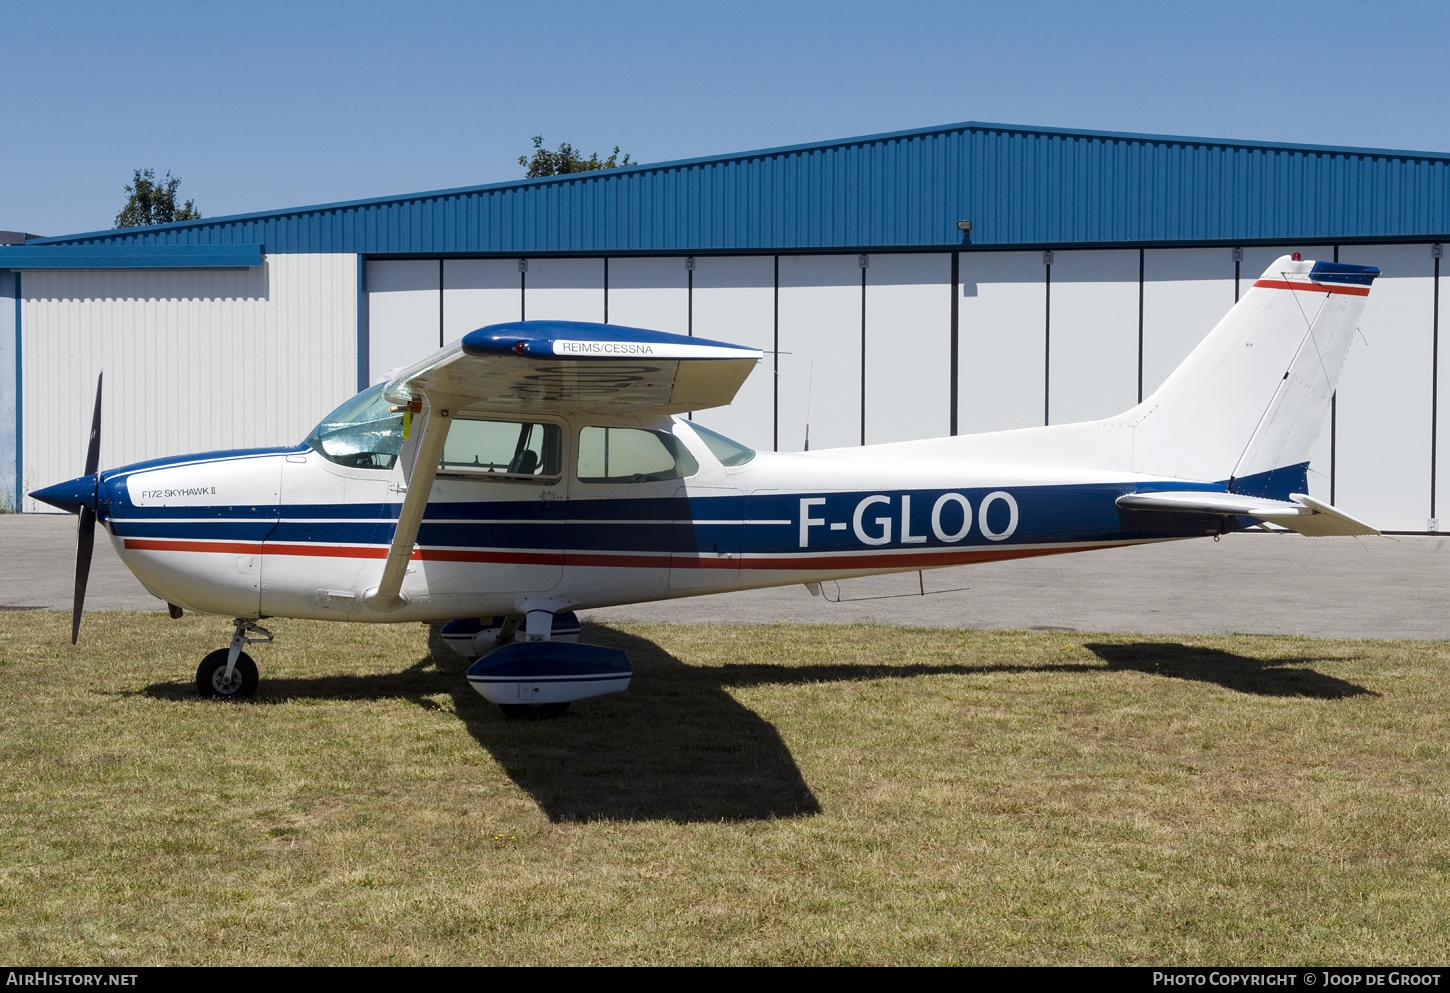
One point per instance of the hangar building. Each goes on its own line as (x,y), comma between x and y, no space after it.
(945,280)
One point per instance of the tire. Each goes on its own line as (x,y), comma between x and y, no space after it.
(531,711)
(243,683)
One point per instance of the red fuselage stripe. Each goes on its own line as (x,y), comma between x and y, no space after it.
(619,560)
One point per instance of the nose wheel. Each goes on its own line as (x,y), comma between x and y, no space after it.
(213,681)
(229,673)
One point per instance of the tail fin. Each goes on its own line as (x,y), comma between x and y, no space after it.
(1249,402)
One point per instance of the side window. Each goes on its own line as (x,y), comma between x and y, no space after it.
(632,455)
(502,448)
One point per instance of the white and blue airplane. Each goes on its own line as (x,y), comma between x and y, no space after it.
(535,468)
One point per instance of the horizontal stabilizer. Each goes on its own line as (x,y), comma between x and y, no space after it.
(1300,513)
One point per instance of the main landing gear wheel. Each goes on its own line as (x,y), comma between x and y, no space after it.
(210,681)
(525,711)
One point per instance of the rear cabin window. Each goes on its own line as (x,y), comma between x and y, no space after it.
(502,449)
(730,452)
(632,455)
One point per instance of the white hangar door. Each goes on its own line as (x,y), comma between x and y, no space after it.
(405,319)
(1002,330)
(820,351)
(564,290)
(648,293)
(733,299)
(1186,291)
(1383,409)
(908,347)
(1092,336)
(1442,435)
(479,292)
(10,495)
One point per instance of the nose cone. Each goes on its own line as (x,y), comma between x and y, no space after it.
(71,495)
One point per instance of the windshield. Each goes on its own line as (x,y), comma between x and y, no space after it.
(363,433)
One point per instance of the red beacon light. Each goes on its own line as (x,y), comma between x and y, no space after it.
(1297,257)
(518,348)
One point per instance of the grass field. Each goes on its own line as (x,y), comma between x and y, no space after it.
(779,794)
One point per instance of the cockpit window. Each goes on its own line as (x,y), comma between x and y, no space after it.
(363,433)
(730,453)
(632,455)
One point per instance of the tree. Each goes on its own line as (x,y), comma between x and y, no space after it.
(566,160)
(154,203)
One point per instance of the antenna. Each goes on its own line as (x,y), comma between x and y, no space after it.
(810,378)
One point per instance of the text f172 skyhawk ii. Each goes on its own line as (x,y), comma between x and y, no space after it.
(535,468)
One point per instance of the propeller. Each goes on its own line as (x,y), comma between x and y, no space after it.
(86,530)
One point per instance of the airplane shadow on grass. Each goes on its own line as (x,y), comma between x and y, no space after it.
(1244,673)
(677,746)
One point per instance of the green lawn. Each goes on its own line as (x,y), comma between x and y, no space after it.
(789,794)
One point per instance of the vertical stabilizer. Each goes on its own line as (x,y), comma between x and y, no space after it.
(1253,396)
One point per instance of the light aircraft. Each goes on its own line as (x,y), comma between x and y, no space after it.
(535,468)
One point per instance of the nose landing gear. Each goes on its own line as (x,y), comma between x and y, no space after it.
(229,673)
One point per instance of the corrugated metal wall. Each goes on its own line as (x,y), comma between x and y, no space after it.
(1018,186)
(9,492)
(195,360)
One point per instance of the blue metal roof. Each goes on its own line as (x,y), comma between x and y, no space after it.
(906,189)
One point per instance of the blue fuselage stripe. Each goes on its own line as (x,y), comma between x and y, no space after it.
(759,524)
(820,522)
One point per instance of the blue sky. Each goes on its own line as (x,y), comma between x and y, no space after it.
(263,105)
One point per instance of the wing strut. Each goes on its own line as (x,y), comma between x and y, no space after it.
(387,595)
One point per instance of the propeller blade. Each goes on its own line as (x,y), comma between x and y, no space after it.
(86,530)
(85,544)
(93,453)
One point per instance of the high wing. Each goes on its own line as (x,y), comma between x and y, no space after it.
(1304,514)
(573,367)
(548,367)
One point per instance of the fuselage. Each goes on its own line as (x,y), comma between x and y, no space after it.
(292,532)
